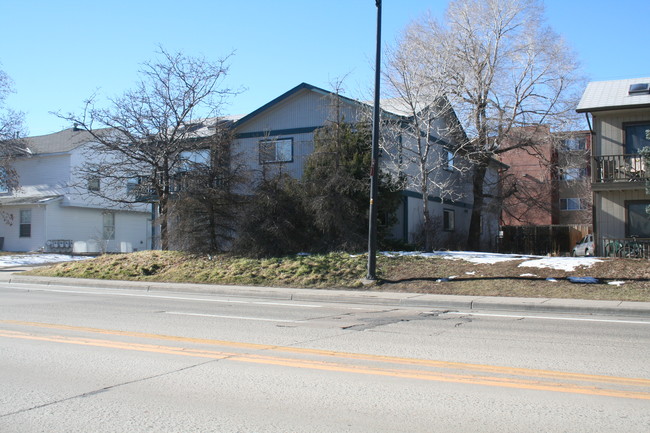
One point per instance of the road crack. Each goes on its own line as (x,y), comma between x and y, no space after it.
(108,388)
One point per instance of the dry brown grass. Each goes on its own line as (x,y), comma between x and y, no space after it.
(424,275)
(398,274)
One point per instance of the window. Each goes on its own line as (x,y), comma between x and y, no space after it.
(572,204)
(25,223)
(93,184)
(132,185)
(637,136)
(4,184)
(638,219)
(639,89)
(575,143)
(448,220)
(276,150)
(195,159)
(449,165)
(574,173)
(109,226)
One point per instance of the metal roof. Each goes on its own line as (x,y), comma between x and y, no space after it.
(607,95)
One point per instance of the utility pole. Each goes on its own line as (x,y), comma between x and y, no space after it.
(374,167)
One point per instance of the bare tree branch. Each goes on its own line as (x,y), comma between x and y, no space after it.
(144,133)
(502,69)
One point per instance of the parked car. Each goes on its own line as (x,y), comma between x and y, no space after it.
(584,247)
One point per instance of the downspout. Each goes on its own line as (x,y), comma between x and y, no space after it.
(591,130)
(44,227)
(594,214)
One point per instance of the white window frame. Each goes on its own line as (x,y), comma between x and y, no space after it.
(25,226)
(571,204)
(276,150)
(108,224)
(575,143)
(132,185)
(571,174)
(193,159)
(4,182)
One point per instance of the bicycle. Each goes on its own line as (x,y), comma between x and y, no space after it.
(613,249)
(631,249)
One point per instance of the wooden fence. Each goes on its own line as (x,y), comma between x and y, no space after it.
(541,240)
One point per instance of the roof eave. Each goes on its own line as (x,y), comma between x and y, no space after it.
(611,108)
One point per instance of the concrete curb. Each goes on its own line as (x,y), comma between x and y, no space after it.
(447,302)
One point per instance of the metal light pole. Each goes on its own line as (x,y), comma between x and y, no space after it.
(374,167)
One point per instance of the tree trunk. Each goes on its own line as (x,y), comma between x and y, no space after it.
(163,214)
(426,216)
(474,234)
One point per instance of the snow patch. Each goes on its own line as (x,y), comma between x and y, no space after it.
(37,259)
(560,263)
(469,256)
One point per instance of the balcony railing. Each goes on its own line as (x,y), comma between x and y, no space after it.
(627,248)
(621,168)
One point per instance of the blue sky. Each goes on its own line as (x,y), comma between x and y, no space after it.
(60,52)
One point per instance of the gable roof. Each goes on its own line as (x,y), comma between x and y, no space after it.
(300,87)
(306,86)
(58,142)
(607,95)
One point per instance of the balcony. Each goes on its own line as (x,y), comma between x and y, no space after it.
(622,172)
(628,168)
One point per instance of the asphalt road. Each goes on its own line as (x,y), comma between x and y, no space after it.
(121,360)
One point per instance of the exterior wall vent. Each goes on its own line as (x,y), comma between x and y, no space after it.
(639,89)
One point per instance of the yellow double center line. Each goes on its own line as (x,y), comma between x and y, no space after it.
(476,374)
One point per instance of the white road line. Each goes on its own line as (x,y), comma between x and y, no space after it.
(574,319)
(180,298)
(218,316)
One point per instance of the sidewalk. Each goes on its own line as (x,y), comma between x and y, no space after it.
(447,302)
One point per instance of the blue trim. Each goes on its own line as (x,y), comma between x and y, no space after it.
(276,132)
(446,201)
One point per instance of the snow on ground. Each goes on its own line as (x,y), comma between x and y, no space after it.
(469,256)
(13,260)
(560,263)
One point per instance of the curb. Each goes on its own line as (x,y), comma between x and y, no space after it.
(452,302)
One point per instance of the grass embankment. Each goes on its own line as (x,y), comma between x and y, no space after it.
(400,274)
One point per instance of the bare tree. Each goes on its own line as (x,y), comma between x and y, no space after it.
(501,68)
(12,131)
(422,143)
(145,135)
